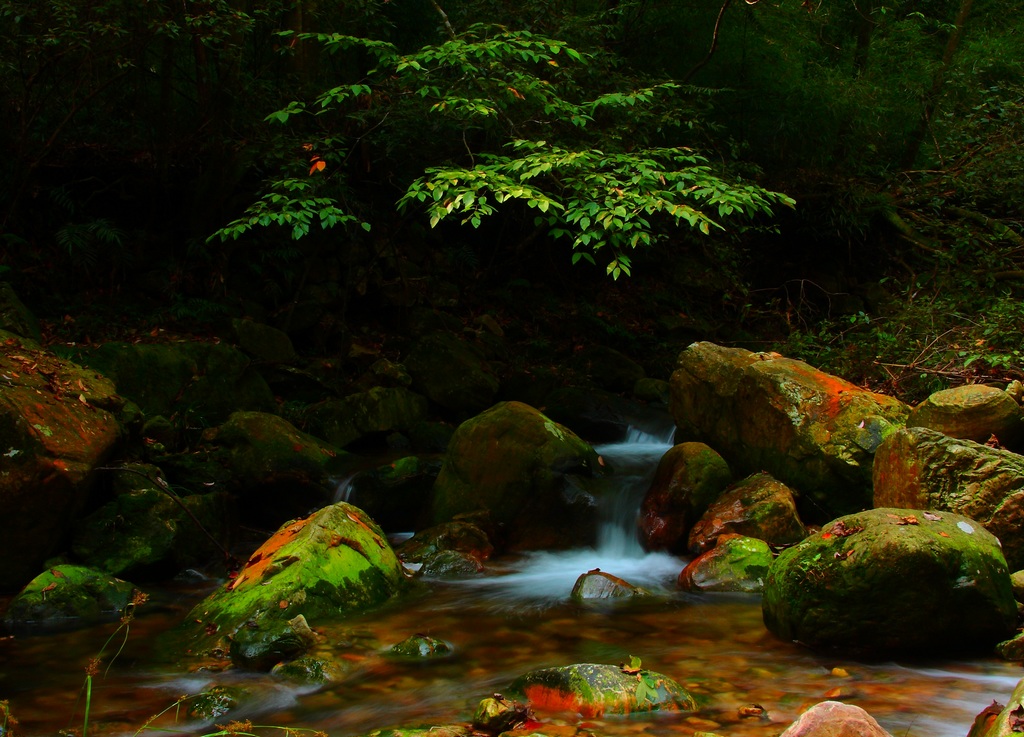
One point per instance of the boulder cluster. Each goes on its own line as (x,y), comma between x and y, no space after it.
(866,525)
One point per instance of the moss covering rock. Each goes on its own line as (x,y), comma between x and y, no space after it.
(599,585)
(593,689)
(379,410)
(762,412)
(690,476)
(758,506)
(972,412)
(68,596)
(148,531)
(893,580)
(524,469)
(326,566)
(924,469)
(736,563)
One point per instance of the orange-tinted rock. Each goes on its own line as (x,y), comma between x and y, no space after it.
(53,435)
(689,477)
(759,506)
(762,412)
(736,563)
(835,719)
(972,412)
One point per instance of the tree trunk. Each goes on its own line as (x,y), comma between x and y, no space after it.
(931,97)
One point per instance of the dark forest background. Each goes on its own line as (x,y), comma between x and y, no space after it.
(839,180)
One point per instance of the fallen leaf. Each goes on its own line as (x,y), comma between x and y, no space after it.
(1016,719)
(632,667)
(932,517)
(839,529)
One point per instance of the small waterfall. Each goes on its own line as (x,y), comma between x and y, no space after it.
(549,576)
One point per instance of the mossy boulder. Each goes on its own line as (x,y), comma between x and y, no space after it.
(690,476)
(452,373)
(736,563)
(148,531)
(893,580)
(374,412)
(762,412)
(526,471)
(594,689)
(323,567)
(68,596)
(972,412)
(919,468)
(758,506)
(197,384)
(56,428)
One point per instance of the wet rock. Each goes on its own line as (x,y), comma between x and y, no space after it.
(593,690)
(263,646)
(149,531)
(736,563)
(893,580)
(918,468)
(197,385)
(835,719)
(597,584)
(447,730)
(689,477)
(450,564)
(972,412)
(333,563)
(1012,649)
(762,412)
(397,494)
(452,373)
(1017,582)
(68,596)
(378,411)
(56,428)
(277,471)
(997,720)
(458,535)
(496,714)
(420,647)
(312,670)
(527,471)
(215,702)
(758,506)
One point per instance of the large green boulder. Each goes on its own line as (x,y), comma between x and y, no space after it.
(55,430)
(68,596)
(320,568)
(762,412)
(594,689)
(197,384)
(919,468)
(689,477)
(893,580)
(148,531)
(524,469)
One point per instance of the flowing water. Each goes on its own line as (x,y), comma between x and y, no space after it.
(515,619)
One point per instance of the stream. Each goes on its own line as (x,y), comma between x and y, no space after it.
(516,618)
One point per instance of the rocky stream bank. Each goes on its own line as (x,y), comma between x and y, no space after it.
(868,527)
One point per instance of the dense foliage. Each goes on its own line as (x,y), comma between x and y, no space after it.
(217,157)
